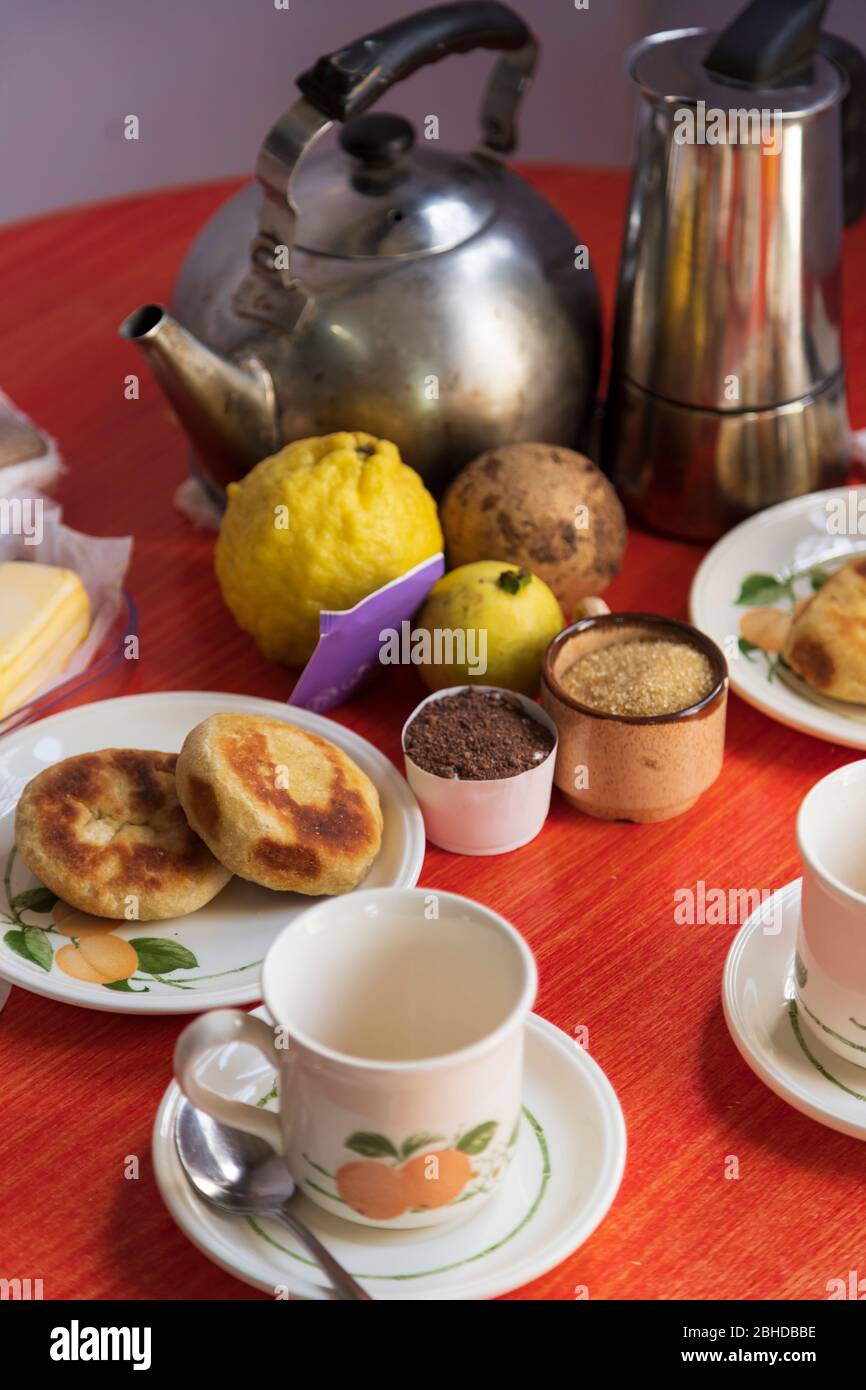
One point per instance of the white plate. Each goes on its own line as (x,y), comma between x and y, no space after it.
(762,1015)
(782,541)
(228,938)
(563,1178)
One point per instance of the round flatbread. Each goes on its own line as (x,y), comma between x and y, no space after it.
(827,641)
(105,832)
(279,806)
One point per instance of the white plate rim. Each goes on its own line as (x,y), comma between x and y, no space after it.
(816,721)
(779,1080)
(169,1177)
(244,993)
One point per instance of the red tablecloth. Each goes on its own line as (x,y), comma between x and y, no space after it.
(595,901)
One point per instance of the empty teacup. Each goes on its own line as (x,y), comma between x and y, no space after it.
(398,1045)
(830,966)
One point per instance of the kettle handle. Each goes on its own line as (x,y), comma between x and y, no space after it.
(345,83)
(342,85)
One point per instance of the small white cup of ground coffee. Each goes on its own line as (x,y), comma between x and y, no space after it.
(480,761)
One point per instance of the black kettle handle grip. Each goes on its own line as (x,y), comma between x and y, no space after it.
(344,84)
(767,39)
(852,64)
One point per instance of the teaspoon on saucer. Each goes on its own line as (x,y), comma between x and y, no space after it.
(243,1175)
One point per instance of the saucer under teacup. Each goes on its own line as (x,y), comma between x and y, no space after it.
(766,1021)
(563,1178)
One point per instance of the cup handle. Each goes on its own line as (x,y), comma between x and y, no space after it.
(210,1030)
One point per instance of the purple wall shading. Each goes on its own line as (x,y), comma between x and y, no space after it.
(208,77)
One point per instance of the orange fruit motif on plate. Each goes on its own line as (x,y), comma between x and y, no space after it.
(70,922)
(374,1190)
(434,1178)
(767,628)
(98,959)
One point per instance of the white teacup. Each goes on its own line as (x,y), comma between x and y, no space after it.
(830,967)
(398,1043)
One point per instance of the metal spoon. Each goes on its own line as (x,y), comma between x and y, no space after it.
(240,1173)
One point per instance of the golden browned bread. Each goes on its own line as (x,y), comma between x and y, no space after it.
(105,832)
(827,641)
(277,805)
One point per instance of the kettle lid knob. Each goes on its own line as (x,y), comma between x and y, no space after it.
(377,139)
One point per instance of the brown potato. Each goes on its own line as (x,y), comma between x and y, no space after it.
(540,506)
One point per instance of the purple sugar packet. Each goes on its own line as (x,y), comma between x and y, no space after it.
(347,652)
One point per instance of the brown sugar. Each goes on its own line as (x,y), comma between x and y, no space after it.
(640,677)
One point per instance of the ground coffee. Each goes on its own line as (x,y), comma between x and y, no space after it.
(476,735)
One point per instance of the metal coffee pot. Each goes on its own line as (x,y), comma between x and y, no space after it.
(433,299)
(727,390)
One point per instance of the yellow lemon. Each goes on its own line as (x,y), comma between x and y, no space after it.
(489,623)
(319,525)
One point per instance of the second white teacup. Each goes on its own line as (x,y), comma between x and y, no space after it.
(830,965)
(398,1044)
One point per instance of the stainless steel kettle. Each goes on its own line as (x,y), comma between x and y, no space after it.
(429,298)
(727,390)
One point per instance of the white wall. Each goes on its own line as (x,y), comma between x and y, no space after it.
(208,77)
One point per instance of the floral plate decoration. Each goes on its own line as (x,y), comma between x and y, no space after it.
(771,606)
(751,585)
(91,948)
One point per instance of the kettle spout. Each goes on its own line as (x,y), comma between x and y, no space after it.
(228,411)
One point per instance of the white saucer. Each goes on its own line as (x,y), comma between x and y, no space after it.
(766,1025)
(563,1178)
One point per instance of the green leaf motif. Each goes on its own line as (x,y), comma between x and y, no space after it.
(124,987)
(32,944)
(34,900)
(817,578)
(269,1095)
(159,957)
(800,971)
(418,1141)
(514,1133)
(476,1141)
(371,1145)
(758,589)
(747,647)
(39,946)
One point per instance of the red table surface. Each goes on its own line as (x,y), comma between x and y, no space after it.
(595,901)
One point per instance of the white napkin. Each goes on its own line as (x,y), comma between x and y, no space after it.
(193,499)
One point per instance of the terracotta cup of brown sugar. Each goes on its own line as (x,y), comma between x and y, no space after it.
(639,702)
